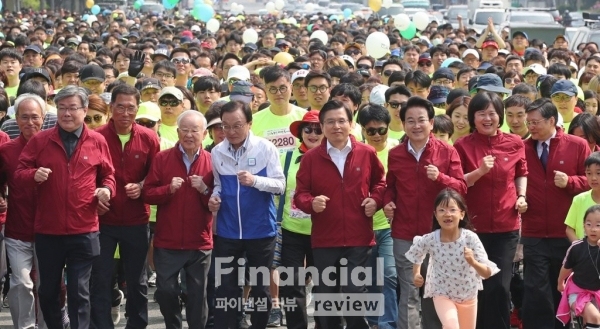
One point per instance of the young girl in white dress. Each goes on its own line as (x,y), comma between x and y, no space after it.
(457,262)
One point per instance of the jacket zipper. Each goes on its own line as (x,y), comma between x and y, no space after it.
(237,197)
(493,183)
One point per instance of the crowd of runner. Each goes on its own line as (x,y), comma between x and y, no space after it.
(147,151)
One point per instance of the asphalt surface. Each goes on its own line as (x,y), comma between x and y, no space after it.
(155,320)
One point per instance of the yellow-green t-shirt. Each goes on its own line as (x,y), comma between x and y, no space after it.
(11,91)
(293,219)
(380,222)
(168,132)
(124,139)
(438,111)
(397,135)
(276,128)
(581,203)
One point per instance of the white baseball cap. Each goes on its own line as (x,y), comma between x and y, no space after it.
(471,52)
(300,74)
(348,59)
(238,72)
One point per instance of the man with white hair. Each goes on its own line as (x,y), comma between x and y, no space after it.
(18,230)
(180,183)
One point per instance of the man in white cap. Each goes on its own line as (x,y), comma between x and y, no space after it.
(170,102)
(471,57)
(532,72)
(236,73)
(299,91)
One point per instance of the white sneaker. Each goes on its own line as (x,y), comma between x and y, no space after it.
(116,311)
(309,296)
(152,280)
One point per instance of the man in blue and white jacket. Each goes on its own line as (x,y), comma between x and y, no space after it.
(247,175)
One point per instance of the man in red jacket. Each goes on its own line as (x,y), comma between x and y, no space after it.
(73,171)
(341,185)
(125,220)
(180,183)
(29,114)
(556,174)
(418,169)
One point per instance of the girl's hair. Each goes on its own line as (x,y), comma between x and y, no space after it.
(589,124)
(592,209)
(594,158)
(443,198)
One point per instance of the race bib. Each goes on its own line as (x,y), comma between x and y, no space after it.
(294,211)
(282,139)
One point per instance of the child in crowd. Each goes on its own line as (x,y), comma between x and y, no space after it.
(581,291)
(458,262)
(583,201)
(443,127)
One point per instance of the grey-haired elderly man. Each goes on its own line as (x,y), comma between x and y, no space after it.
(71,168)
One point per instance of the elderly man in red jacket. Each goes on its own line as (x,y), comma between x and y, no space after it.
(180,183)
(556,174)
(72,168)
(341,185)
(418,169)
(125,220)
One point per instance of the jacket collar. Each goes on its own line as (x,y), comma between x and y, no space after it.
(55,135)
(323,147)
(493,140)
(112,129)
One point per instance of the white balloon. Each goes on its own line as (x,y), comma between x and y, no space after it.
(233,7)
(377,44)
(91,19)
(270,6)
(310,7)
(240,8)
(279,4)
(321,35)
(250,35)
(401,21)
(421,20)
(213,25)
(292,21)
(386,3)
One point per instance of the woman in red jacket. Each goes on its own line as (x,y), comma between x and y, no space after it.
(495,171)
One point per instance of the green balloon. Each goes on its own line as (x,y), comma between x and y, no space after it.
(173,2)
(410,31)
(196,13)
(137,5)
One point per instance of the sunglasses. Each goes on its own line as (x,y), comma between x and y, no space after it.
(171,103)
(310,130)
(305,66)
(380,131)
(147,124)
(180,60)
(428,64)
(387,73)
(394,105)
(352,52)
(97,118)
(248,50)
(512,80)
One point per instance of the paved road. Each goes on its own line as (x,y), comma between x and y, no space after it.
(155,319)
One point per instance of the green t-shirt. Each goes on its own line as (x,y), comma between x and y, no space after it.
(293,219)
(276,128)
(124,139)
(397,135)
(379,220)
(164,145)
(581,203)
(168,132)
(11,91)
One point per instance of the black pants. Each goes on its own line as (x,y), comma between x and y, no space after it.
(168,263)
(542,260)
(133,249)
(493,304)
(327,258)
(77,252)
(295,248)
(259,255)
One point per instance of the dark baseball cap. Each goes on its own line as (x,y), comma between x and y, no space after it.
(33,47)
(521,33)
(442,73)
(150,83)
(241,92)
(438,94)
(32,72)
(491,82)
(564,87)
(92,72)
(161,52)
(425,57)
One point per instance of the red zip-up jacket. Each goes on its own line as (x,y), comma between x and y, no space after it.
(131,166)
(66,202)
(412,192)
(183,221)
(548,204)
(343,223)
(21,197)
(491,200)
(4,138)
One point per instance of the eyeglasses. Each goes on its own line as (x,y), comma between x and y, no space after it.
(321,88)
(363,67)
(423,64)
(309,130)
(161,75)
(235,128)
(534,122)
(180,60)
(442,82)
(394,105)
(298,86)
(561,98)
(380,131)
(171,103)
(332,122)
(70,110)
(232,81)
(122,109)
(316,59)
(147,124)
(26,118)
(387,73)
(511,81)
(352,52)
(97,118)
(281,89)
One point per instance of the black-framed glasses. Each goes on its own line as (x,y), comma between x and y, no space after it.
(281,89)
(423,64)
(310,129)
(96,118)
(171,103)
(147,124)
(380,131)
(321,88)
